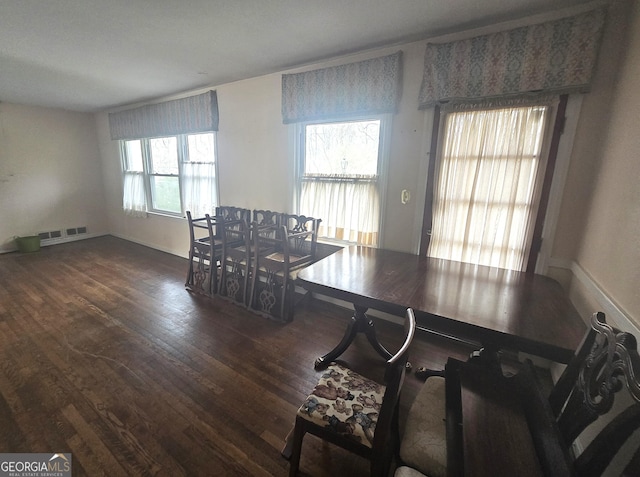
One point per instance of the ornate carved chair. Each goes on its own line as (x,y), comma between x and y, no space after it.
(297,224)
(354,412)
(605,364)
(204,254)
(227,212)
(235,261)
(267,217)
(279,253)
(590,394)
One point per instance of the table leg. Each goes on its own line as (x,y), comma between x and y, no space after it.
(360,323)
(370,332)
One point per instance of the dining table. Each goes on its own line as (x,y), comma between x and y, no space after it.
(497,308)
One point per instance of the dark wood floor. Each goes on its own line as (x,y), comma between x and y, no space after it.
(104,354)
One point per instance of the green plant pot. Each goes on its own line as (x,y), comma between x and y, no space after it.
(28,244)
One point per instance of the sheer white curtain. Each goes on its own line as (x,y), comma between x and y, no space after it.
(349,207)
(199,187)
(486,185)
(134,199)
(199,194)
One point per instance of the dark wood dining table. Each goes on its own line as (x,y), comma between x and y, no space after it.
(497,308)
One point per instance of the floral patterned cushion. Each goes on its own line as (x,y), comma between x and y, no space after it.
(424,443)
(345,402)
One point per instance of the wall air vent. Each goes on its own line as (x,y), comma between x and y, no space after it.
(76,231)
(59,236)
(48,237)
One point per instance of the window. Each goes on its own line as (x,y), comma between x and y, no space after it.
(339,170)
(170,175)
(490,169)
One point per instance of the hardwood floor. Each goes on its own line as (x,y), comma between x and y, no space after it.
(104,354)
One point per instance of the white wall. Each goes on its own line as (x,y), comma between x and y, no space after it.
(608,249)
(49,173)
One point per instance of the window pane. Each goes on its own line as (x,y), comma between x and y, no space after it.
(165,193)
(164,155)
(201,148)
(134,156)
(347,148)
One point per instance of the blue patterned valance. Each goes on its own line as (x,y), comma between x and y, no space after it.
(186,115)
(558,56)
(365,87)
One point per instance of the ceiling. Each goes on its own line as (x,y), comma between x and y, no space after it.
(91,55)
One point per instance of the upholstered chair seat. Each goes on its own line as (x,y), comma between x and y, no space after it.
(404,471)
(346,403)
(424,443)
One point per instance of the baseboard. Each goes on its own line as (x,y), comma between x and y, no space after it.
(56,241)
(614,313)
(152,245)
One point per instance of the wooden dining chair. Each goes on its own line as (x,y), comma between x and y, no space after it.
(235,260)
(204,255)
(355,412)
(603,399)
(605,364)
(278,254)
(424,441)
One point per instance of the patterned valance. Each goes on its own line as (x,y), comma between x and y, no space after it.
(558,56)
(186,115)
(365,87)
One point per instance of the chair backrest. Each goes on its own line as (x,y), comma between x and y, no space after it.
(201,229)
(226,212)
(211,227)
(393,379)
(292,248)
(606,363)
(193,224)
(564,386)
(235,233)
(267,217)
(303,234)
(266,238)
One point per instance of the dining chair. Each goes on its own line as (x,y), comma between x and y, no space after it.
(423,446)
(278,254)
(204,255)
(355,412)
(235,260)
(603,400)
(605,363)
